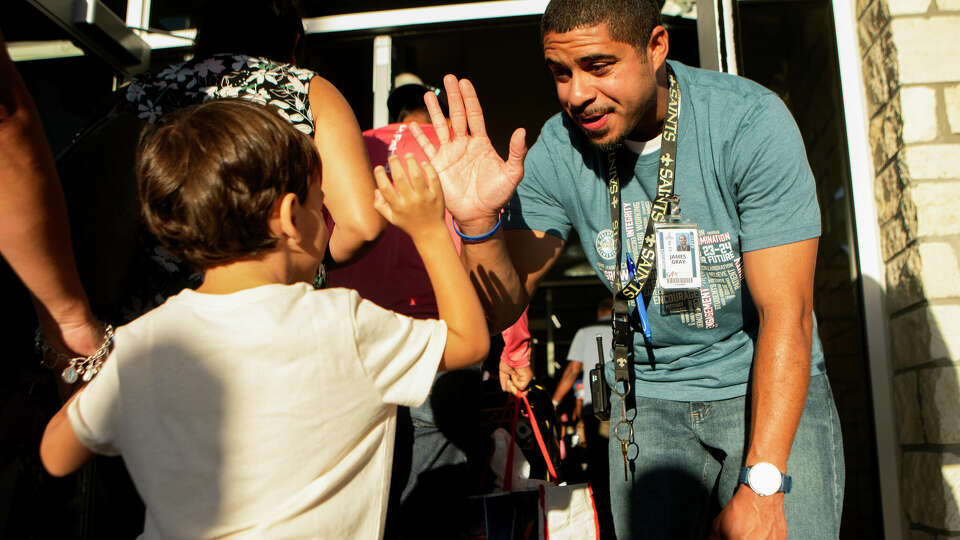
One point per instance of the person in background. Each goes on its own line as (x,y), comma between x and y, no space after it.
(255,405)
(582,357)
(439,444)
(592,432)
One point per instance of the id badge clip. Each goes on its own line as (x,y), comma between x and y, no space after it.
(678,251)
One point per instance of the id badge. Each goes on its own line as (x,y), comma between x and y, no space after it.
(678,256)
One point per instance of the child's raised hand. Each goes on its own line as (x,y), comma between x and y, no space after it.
(414,201)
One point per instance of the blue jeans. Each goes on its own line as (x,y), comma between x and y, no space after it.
(686,458)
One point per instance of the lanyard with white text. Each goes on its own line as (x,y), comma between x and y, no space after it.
(622,334)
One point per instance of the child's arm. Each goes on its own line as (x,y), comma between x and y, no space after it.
(415,205)
(60,450)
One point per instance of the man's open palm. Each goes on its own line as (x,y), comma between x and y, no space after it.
(476,182)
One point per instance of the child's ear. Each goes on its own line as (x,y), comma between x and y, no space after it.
(283,220)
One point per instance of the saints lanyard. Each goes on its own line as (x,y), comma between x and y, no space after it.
(622,334)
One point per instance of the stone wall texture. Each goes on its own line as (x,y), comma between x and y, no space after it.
(911,72)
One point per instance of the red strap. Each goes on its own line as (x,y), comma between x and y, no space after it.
(596,516)
(540,443)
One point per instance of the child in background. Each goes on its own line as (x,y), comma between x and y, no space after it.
(256,406)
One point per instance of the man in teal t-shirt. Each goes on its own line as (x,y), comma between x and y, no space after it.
(728,405)
(741,175)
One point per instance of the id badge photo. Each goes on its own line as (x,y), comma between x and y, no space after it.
(678,256)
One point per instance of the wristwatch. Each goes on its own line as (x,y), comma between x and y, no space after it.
(765,479)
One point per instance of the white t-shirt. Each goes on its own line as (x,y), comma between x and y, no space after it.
(583,349)
(644,147)
(267,413)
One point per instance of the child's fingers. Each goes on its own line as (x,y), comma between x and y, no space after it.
(433,180)
(400,181)
(417,181)
(384,187)
(380,205)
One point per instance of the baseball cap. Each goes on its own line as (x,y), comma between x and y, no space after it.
(407,95)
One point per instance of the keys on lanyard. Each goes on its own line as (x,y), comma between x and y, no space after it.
(623,431)
(625,449)
(622,342)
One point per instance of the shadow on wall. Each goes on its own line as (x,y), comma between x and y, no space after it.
(926,400)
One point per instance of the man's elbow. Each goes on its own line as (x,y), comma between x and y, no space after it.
(798,315)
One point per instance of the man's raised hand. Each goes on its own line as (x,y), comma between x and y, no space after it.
(476,182)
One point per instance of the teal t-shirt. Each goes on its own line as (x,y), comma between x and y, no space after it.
(742,176)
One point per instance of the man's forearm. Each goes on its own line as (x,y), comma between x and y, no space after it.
(496,280)
(781,376)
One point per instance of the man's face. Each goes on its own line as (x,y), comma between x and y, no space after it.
(607,87)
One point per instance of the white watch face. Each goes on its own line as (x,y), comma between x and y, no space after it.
(764,478)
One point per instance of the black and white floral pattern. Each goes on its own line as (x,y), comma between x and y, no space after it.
(157,274)
(282,86)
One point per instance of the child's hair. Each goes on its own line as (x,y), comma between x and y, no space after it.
(210,177)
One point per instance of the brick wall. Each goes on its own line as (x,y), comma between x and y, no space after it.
(911,64)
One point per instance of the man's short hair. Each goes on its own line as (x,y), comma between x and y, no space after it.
(628,21)
(270,29)
(210,176)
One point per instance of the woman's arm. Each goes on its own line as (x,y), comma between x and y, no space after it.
(347,176)
(34,235)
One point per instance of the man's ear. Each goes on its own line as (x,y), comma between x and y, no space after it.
(283,219)
(658,47)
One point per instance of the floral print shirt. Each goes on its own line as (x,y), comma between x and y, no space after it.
(220,76)
(158,275)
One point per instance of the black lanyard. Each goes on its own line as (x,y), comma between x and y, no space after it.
(622,334)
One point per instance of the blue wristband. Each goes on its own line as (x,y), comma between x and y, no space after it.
(482,237)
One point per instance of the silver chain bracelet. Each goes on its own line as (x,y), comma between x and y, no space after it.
(79,367)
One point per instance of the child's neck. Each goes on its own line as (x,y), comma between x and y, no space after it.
(268,269)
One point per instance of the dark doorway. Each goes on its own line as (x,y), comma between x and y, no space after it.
(790,47)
